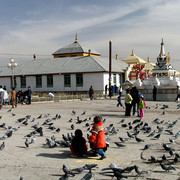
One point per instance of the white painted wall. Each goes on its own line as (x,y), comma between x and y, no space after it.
(97,80)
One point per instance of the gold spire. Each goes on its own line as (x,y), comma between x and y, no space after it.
(89,52)
(116,56)
(148,59)
(132,52)
(162,51)
(76,39)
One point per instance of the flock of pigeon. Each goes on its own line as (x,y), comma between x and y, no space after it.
(168,158)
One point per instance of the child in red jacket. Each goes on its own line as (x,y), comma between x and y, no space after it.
(97,139)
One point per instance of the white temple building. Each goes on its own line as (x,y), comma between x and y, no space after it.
(163,78)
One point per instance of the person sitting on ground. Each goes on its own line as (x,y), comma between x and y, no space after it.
(78,146)
(97,139)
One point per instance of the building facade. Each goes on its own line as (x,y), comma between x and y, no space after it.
(74,68)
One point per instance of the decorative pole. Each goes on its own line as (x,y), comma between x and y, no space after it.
(12,65)
(110,59)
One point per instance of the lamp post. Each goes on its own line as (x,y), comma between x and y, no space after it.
(12,65)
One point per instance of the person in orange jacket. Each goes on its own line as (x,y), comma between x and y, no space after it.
(97,139)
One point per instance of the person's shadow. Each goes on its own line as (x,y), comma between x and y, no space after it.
(63,155)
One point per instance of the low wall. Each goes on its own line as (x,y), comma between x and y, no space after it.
(163,94)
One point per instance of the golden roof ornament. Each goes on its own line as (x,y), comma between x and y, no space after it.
(148,59)
(132,52)
(76,38)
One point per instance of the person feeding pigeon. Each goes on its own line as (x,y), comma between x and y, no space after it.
(78,146)
(97,139)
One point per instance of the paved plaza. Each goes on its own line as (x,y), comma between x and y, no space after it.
(39,162)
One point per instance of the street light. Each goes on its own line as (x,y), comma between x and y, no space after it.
(12,65)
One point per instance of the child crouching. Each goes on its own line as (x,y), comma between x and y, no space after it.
(97,138)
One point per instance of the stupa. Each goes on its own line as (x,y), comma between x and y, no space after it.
(163,78)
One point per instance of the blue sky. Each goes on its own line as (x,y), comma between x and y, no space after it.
(44,26)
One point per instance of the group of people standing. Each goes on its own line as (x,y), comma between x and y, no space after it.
(15,97)
(134,100)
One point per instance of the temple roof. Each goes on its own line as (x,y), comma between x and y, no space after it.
(75,48)
(78,64)
(133,59)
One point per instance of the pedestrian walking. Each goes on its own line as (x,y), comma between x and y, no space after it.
(119,101)
(91,93)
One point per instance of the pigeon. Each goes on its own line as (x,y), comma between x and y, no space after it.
(16,128)
(73,112)
(83,113)
(147,146)
(2,146)
(58,130)
(171,152)
(27,143)
(39,117)
(87,176)
(157,136)
(122,121)
(136,121)
(128,169)
(90,166)
(118,173)
(79,170)
(70,120)
(139,171)
(160,129)
(130,135)
(13,114)
(33,139)
(138,139)
(167,167)
(9,110)
(177,134)
(28,116)
(123,139)
(152,134)
(64,177)
(35,126)
(72,126)
(124,125)
(166,147)
(164,158)
(67,170)
(119,144)
(169,131)
(153,159)
(171,140)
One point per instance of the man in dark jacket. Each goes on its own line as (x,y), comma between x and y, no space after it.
(135,101)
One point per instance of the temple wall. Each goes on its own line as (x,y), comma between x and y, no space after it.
(163,93)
